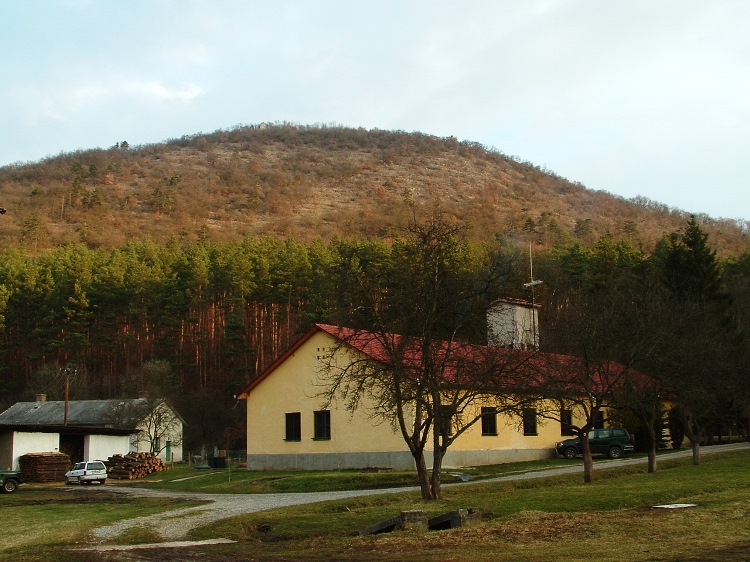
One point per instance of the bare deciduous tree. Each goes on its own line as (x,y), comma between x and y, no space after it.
(418,372)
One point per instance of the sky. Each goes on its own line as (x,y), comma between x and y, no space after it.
(643,98)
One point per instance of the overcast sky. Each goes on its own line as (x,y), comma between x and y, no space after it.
(636,97)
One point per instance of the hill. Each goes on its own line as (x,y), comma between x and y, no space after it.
(316,181)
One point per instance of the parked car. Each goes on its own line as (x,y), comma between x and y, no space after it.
(87,472)
(11,480)
(613,442)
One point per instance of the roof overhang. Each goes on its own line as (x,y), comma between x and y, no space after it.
(71,430)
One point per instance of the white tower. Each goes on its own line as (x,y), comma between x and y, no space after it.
(513,323)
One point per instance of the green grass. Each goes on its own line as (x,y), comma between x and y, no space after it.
(40,517)
(242,481)
(543,519)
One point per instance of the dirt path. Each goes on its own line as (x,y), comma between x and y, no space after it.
(174,525)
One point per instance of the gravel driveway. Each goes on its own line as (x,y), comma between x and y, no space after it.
(174,525)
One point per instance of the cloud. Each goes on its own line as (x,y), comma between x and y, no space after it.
(161,92)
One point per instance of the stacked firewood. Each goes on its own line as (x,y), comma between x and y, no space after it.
(133,465)
(44,467)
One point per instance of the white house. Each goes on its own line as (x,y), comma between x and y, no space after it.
(90,429)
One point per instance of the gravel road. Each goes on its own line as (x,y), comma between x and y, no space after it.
(174,525)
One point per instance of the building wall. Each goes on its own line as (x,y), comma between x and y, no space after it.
(33,443)
(357,440)
(295,387)
(101,447)
(510,444)
(513,325)
(169,429)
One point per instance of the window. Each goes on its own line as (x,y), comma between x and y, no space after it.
(293,426)
(489,421)
(599,420)
(529,421)
(566,422)
(445,420)
(322,424)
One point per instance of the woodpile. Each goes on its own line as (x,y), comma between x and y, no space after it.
(44,467)
(133,465)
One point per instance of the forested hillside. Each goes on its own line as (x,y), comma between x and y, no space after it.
(184,268)
(312,182)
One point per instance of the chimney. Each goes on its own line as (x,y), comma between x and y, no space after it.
(41,397)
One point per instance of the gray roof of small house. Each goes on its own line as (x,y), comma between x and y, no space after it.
(122,414)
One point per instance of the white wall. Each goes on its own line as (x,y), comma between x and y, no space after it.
(33,443)
(167,427)
(101,447)
(512,325)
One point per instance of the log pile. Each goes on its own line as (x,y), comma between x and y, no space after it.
(133,465)
(44,467)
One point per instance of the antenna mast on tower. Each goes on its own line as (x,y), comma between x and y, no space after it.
(531,284)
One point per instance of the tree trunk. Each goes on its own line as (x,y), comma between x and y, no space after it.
(651,448)
(693,433)
(422,474)
(695,445)
(588,461)
(436,478)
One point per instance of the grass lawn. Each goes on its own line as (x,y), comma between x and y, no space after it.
(235,480)
(611,519)
(43,518)
(555,518)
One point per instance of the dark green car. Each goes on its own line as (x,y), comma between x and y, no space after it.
(613,442)
(11,480)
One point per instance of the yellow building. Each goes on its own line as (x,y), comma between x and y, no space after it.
(289,427)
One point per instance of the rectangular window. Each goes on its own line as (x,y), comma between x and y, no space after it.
(322,424)
(599,420)
(566,422)
(293,426)
(529,421)
(445,420)
(489,421)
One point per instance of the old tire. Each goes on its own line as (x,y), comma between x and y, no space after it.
(570,453)
(10,486)
(614,452)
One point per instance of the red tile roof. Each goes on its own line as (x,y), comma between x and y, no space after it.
(455,360)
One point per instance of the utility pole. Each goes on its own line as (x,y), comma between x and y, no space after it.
(67,371)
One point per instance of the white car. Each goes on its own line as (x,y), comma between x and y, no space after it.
(87,472)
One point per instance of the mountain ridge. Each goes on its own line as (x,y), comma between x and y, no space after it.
(316,181)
